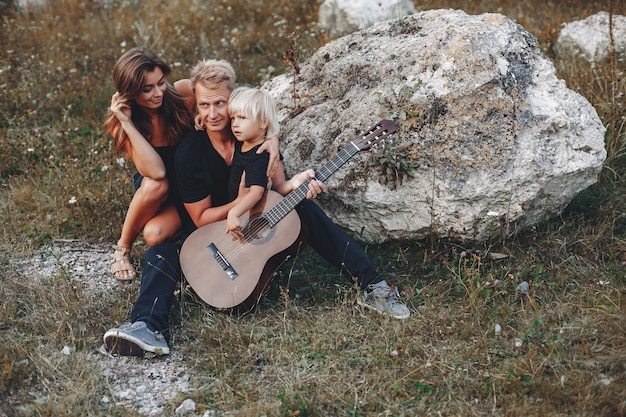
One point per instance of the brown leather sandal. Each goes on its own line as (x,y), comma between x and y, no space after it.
(122,264)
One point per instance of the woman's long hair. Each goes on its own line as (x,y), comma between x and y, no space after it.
(129,77)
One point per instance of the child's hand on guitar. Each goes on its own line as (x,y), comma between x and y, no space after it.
(233,224)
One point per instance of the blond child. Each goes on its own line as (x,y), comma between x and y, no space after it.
(253,117)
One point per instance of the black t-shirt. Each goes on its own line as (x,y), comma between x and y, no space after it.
(200,172)
(255,167)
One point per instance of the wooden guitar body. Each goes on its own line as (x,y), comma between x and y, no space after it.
(230,270)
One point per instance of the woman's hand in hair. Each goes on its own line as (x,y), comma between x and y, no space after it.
(120,107)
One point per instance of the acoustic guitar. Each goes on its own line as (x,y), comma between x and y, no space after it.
(233,270)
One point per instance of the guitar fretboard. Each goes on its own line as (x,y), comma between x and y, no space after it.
(291,200)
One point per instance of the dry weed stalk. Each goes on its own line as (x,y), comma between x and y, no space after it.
(291,58)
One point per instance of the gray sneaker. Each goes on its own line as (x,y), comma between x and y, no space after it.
(382,298)
(135,339)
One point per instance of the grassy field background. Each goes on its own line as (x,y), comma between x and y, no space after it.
(562,350)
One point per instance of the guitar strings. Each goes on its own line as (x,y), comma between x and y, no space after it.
(269,219)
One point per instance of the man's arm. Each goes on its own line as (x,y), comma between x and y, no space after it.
(184,89)
(272,147)
(202,212)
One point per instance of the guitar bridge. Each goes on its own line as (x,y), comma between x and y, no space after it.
(223,263)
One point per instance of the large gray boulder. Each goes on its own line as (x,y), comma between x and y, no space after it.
(589,38)
(494,141)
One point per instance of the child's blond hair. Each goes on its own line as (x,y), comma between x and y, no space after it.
(257,105)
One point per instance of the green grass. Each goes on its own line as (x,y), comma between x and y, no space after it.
(306,350)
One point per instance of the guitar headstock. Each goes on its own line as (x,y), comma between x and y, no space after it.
(375,134)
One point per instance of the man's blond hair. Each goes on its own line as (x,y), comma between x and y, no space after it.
(212,73)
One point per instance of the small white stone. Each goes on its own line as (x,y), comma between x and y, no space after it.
(187,406)
(123,395)
(604,380)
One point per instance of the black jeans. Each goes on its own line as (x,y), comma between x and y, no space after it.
(160,275)
(161,266)
(335,246)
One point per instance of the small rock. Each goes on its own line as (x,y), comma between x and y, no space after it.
(523,287)
(187,406)
(123,395)
(604,380)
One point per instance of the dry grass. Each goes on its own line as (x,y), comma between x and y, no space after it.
(307,349)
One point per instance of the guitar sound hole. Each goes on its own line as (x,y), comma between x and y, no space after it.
(258,230)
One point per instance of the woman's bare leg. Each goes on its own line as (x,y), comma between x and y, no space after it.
(144,206)
(162,227)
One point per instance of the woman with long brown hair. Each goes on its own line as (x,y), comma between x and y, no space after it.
(146,119)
